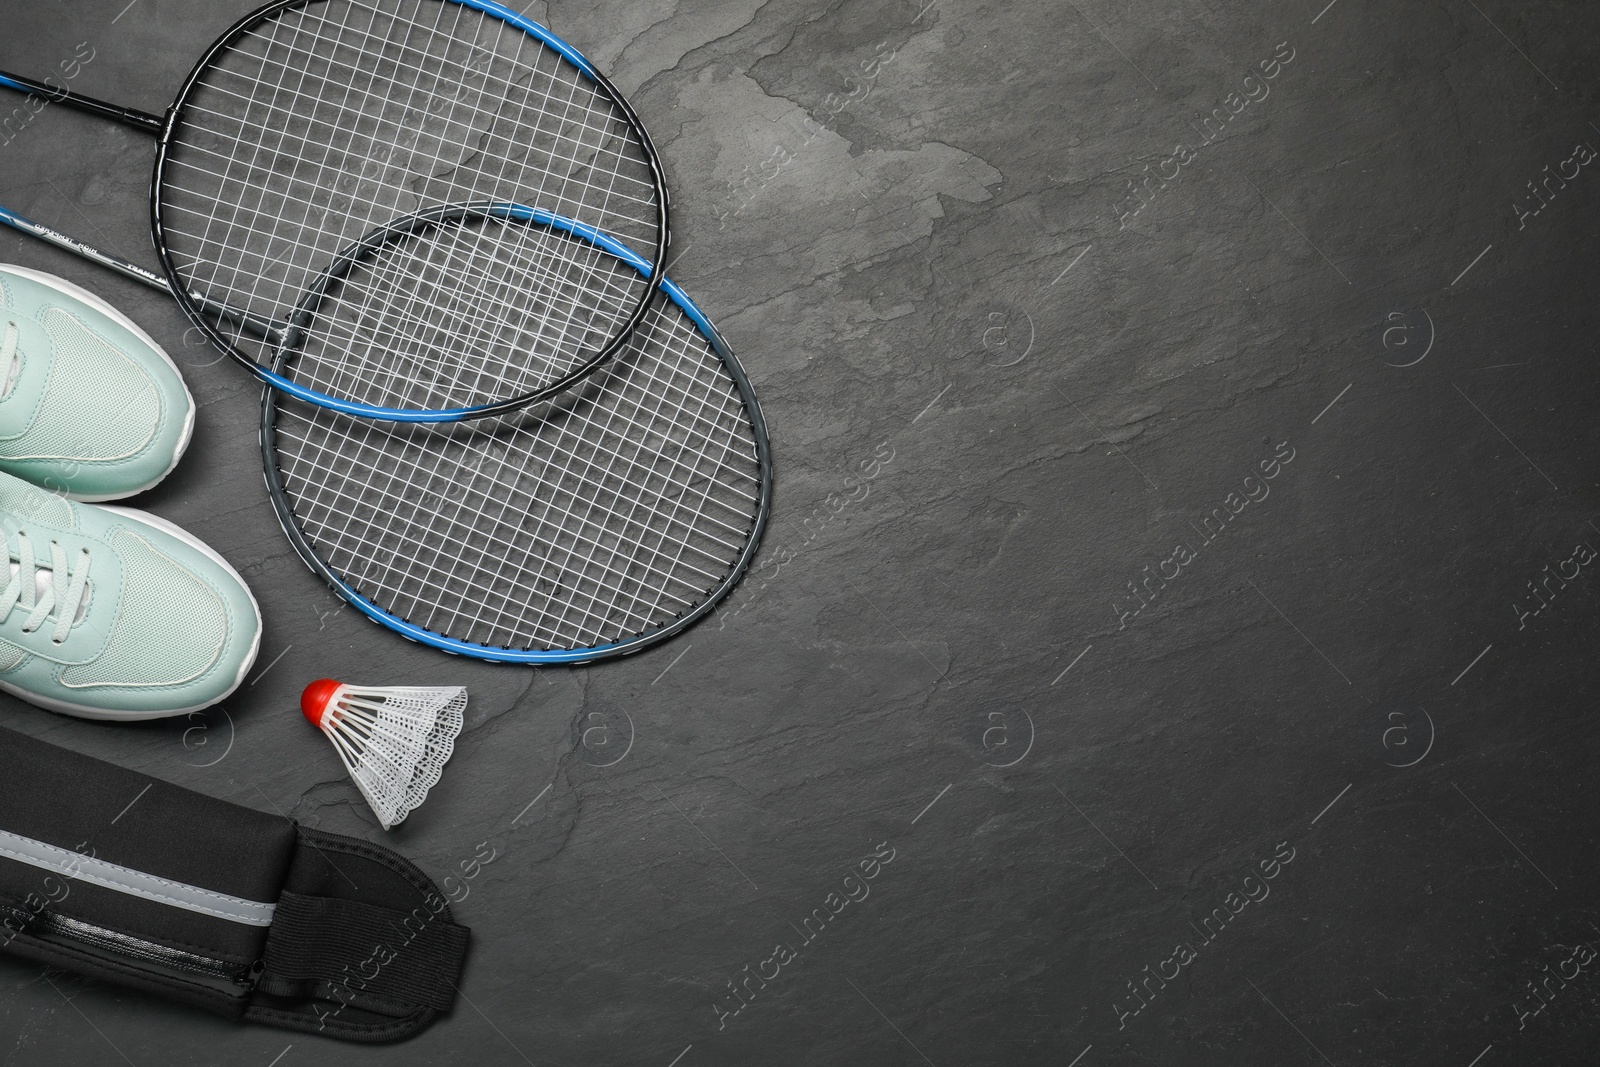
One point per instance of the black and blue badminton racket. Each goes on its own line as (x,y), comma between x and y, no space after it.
(316,135)
(596,525)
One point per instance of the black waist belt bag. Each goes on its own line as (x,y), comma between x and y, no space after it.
(110,873)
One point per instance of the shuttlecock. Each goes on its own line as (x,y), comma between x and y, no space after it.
(394,740)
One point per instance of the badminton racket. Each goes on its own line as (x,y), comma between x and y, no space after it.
(610,519)
(312,128)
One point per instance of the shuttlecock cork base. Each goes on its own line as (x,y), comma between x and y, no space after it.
(394,740)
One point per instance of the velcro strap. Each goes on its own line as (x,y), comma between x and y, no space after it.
(350,952)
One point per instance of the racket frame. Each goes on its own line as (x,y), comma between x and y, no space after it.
(284,509)
(195,306)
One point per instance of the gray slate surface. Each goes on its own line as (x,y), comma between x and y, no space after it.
(944,264)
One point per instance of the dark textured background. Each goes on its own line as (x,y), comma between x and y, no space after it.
(933,267)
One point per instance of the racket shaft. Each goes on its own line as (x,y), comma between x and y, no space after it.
(78,248)
(263,329)
(139,120)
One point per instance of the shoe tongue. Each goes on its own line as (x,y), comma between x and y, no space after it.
(25,375)
(13,367)
(21,505)
(32,341)
(44,579)
(11,373)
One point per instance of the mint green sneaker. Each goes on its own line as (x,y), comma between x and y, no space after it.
(113,613)
(90,406)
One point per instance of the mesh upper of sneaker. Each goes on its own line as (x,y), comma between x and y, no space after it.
(35,505)
(161,598)
(99,405)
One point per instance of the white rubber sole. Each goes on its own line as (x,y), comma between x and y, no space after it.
(66,288)
(102,714)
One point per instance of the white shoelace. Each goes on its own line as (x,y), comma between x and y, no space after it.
(24,588)
(9,358)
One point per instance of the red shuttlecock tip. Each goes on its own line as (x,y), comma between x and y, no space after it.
(317,698)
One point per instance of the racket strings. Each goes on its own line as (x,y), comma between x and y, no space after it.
(611,132)
(646,554)
(643,502)
(494,581)
(262,163)
(593,523)
(611,127)
(660,551)
(568,516)
(387,322)
(469,322)
(555,293)
(609,144)
(245,275)
(323,124)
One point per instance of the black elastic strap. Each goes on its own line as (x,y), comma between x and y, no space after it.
(350,952)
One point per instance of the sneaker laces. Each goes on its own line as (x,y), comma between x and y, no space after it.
(24,587)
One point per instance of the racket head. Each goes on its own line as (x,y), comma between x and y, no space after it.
(596,525)
(312,125)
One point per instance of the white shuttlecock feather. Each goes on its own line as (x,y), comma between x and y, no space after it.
(394,740)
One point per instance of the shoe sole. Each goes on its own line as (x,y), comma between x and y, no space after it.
(103,715)
(66,288)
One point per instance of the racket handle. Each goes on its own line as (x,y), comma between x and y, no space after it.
(139,120)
